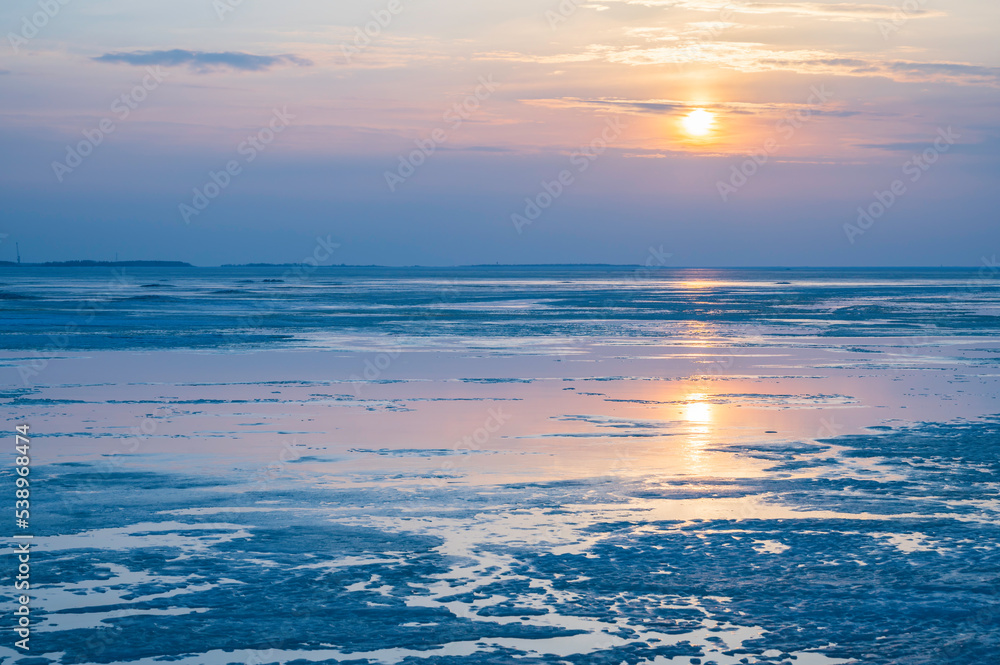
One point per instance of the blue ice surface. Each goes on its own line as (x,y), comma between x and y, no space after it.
(887,565)
(217,308)
(201,564)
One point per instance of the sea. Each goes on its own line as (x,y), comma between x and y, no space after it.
(494,464)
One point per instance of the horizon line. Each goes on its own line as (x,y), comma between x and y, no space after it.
(158,263)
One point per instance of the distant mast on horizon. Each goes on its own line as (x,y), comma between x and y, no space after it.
(17,246)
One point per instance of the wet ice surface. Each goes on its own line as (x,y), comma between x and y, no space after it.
(542,467)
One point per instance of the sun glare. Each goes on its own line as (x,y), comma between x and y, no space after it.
(697,412)
(696,409)
(698,123)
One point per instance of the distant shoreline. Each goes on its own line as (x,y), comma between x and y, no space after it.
(98,264)
(184,264)
(481,266)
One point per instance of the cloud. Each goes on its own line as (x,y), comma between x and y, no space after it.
(838,11)
(593,53)
(948,69)
(751,57)
(989,147)
(486,148)
(202,61)
(844,11)
(667,106)
(4,71)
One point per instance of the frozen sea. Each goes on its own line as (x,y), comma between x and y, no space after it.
(565,465)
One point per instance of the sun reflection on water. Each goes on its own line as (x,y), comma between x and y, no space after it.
(696,410)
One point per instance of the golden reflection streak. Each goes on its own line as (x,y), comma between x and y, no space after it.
(697,284)
(697,412)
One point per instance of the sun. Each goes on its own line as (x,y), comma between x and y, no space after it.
(698,123)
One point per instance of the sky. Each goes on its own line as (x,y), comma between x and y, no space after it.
(440,132)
